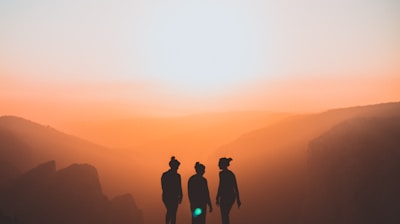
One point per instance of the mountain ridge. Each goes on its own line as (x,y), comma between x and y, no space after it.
(44,195)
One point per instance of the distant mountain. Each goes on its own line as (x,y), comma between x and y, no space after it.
(125,211)
(25,144)
(355,174)
(291,136)
(210,131)
(8,172)
(200,132)
(271,163)
(70,195)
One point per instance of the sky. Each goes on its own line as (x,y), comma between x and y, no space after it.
(166,57)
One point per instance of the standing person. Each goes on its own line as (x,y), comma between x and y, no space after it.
(171,190)
(199,195)
(227,189)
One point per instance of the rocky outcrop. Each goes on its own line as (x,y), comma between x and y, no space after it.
(72,195)
(13,150)
(8,172)
(125,211)
(355,173)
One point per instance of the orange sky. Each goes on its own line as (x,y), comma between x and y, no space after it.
(76,60)
(64,63)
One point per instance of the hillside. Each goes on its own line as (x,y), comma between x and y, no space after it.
(74,194)
(295,131)
(271,163)
(24,144)
(199,132)
(355,173)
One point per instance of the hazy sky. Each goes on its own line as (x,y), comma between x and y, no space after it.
(185,56)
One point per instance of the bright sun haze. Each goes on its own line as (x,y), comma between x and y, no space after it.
(200,47)
(119,58)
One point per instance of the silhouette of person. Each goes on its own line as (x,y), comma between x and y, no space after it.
(171,190)
(227,189)
(199,195)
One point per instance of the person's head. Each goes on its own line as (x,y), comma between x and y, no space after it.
(200,168)
(174,164)
(224,162)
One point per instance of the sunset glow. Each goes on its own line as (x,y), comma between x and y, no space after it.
(179,57)
(121,86)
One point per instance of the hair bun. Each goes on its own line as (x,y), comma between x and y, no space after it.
(174,162)
(199,166)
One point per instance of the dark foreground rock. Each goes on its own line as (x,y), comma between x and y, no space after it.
(72,195)
(355,174)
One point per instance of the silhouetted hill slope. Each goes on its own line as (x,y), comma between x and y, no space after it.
(8,172)
(14,151)
(125,211)
(298,130)
(67,196)
(210,131)
(121,132)
(355,173)
(25,144)
(271,163)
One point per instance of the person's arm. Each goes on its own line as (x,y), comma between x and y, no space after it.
(162,183)
(235,187)
(190,189)
(180,190)
(219,191)
(208,197)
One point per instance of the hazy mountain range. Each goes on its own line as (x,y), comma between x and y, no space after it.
(274,160)
(44,195)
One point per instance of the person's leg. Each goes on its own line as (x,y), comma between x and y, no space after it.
(202,217)
(167,217)
(224,214)
(167,214)
(225,210)
(174,209)
(196,218)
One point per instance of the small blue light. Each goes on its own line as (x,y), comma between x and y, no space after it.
(197,212)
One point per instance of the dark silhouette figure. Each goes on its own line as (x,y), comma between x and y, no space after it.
(199,195)
(227,190)
(172,190)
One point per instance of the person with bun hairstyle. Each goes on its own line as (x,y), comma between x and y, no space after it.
(227,190)
(199,195)
(171,190)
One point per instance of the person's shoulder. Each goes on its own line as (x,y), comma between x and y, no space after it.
(229,172)
(192,178)
(166,173)
(225,172)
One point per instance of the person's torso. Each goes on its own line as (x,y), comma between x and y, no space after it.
(172,183)
(227,182)
(198,189)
